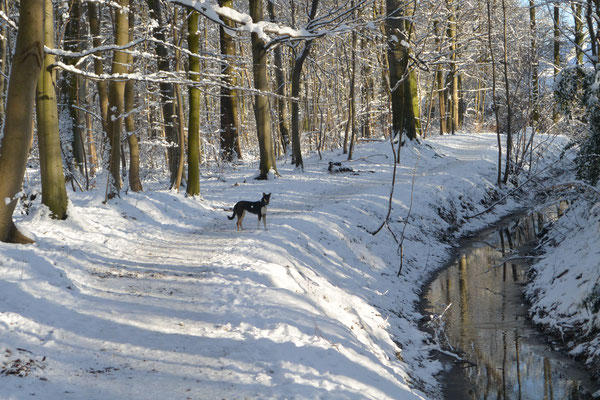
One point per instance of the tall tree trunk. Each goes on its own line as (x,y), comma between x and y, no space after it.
(579,36)
(69,90)
(592,32)
(398,31)
(177,177)
(494,97)
(54,193)
(352,95)
(555,114)
(296,75)
(282,108)
(507,167)
(193,181)
(452,32)
(94,20)
(535,82)
(18,129)
(91,145)
(230,132)
(167,93)
(262,111)
(116,97)
(135,184)
(3,61)
(440,85)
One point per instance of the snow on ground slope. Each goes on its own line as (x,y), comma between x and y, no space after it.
(565,289)
(157,296)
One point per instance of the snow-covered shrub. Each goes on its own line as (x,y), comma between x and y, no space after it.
(577,92)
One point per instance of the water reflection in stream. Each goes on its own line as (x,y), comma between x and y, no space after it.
(487,320)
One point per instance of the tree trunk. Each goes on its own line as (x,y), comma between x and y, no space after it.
(166,88)
(116,97)
(18,129)
(494,97)
(398,31)
(91,145)
(193,181)
(3,62)
(441,87)
(262,110)
(507,167)
(578,27)
(54,193)
(535,82)
(296,75)
(352,96)
(282,108)
(555,114)
(94,20)
(135,184)
(70,89)
(230,132)
(454,110)
(589,16)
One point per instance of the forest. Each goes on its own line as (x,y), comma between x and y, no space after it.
(137,88)
(130,128)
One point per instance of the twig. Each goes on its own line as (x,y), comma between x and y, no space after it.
(389,211)
(412,192)
(510,193)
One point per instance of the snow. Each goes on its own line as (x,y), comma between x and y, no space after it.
(565,280)
(263,29)
(156,295)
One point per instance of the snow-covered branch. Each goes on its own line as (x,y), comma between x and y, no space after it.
(9,21)
(271,32)
(263,29)
(162,77)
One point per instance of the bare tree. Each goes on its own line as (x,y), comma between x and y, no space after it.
(296,73)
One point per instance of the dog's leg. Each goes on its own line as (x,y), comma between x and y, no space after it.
(265,221)
(239,221)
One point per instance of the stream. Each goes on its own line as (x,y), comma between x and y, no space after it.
(479,314)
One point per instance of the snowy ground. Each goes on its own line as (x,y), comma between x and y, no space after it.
(565,290)
(157,296)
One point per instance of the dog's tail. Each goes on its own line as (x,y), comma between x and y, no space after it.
(232,217)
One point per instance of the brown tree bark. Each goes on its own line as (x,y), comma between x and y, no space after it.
(282,104)
(116,97)
(262,111)
(54,193)
(230,140)
(193,180)
(167,93)
(18,129)
(94,20)
(296,74)
(398,31)
(135,183)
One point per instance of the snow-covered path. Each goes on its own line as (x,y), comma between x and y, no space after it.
(157,296)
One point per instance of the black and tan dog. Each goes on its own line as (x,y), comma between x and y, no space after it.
(254,207)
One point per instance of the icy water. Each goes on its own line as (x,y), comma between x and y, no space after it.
(484,319)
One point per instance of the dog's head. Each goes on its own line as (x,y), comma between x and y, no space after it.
(266,197)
